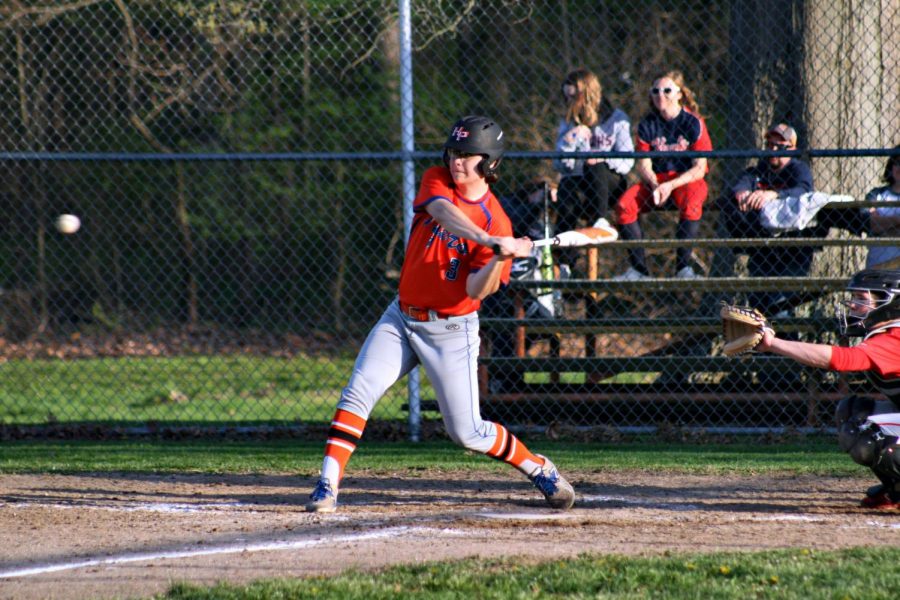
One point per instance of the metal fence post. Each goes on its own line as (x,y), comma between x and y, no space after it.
(409,184)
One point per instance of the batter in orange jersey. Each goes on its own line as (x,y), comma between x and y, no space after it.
(438,262)
(450,266)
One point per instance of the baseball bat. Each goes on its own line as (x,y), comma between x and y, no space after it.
(577,238)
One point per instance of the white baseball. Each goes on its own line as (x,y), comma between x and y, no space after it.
(68,223)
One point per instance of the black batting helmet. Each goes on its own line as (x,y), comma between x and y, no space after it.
(885,289)
(477,135)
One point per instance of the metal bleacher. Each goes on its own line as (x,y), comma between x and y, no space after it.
(682,383)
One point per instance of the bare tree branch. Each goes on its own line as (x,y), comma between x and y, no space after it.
(451,26)
(41,15)
(132,54)
(20,68)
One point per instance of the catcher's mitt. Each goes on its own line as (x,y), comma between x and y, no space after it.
(742,328)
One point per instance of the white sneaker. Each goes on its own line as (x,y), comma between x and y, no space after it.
(607,231)
(323,498)
(631,274)
(687,273)
(556,490)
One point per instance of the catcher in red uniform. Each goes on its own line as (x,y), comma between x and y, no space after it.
(867,429)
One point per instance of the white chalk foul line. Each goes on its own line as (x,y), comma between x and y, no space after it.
(800,518)
(165,507)
(525,516)
(638,502)
(883,525)
(224,549)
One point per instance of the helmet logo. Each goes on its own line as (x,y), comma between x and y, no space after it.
(459,133)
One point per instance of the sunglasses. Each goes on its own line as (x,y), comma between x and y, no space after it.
(778,145)
(667,91)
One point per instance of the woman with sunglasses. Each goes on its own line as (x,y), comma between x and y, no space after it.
(590,123)
(674,123)
(885,220)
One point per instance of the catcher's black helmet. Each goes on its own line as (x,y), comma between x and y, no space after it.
(885,289)
(477,135)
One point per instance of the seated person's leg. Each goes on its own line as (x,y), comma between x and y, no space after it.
(689,199)
(599,184)
(794,262)
(617,188)
(791,261)
(569,209)
(737,223)
(568,203)
(763,262)
(854,221)
(633,202)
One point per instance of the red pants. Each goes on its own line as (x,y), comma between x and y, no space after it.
(638,199)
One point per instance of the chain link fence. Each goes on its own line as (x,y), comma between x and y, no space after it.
(237,170)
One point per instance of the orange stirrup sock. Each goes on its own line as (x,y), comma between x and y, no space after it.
(343,437)
(509,449)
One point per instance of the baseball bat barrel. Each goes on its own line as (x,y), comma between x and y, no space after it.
(577,238)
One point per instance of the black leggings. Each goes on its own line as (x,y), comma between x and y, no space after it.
(588,196)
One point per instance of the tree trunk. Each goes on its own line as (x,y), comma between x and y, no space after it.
(763,80)
(763,88)
(851,80)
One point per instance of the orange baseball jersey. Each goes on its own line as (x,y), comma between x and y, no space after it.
(437,263)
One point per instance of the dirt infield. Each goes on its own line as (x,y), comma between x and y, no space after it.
(105,536)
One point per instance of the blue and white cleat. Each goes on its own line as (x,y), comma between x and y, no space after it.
(323,498)
(557,491)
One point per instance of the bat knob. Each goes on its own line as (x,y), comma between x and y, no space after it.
(497,249)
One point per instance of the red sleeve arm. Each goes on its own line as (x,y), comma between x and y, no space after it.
(849,359)
(880,353)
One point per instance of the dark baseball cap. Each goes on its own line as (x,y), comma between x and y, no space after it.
(783,131)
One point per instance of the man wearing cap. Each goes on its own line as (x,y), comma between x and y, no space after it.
(771,178)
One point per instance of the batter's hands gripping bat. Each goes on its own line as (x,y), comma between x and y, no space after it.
(600,233)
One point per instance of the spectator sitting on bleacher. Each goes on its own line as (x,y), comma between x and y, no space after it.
(771,178)
(588,187)
(885,220)
(673,124)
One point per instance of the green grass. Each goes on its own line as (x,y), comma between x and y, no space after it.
(809,456)
(181,389)
(567,377)
(868,573)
